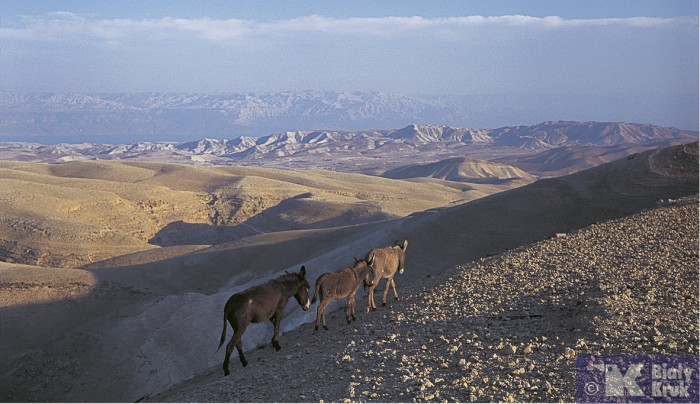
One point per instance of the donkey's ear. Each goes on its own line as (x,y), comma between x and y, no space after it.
(303,271)
(370,260)
(405,244)
(356,260)
(286,272)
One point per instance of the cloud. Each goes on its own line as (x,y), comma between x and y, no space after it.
(59,26)
(465,54)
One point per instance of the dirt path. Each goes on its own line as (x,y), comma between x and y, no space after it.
(504,328)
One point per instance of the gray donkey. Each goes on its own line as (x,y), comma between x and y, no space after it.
(339,284)
(386,262)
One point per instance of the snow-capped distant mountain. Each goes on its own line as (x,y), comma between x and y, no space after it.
(137,117)
(185,116)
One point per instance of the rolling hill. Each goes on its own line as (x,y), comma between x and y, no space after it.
(462,169)
(75,213)
(570,159)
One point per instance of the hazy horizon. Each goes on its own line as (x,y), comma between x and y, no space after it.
(627,61)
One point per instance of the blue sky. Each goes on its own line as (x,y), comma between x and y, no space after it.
(279,10)
(637,48)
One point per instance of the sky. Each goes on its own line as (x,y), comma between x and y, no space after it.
(636,48)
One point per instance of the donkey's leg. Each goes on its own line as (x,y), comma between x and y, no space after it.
(318,317)
(348,307)
(386,289)
(353,302)
(393,287)
(229,350)
(239,347)
(235,341)
(322,309)
(370,304)
(276,321)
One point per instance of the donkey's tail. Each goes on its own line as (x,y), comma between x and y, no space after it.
(223,333)
(316,293)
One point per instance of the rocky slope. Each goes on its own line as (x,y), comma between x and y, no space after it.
(504,328)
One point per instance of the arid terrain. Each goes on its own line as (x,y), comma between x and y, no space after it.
(504,328)
(114,274)
(78,213)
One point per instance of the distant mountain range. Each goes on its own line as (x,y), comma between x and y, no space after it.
(185,116)
(373,151)
(133,117)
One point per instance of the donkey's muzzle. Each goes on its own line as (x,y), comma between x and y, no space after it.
(307,305)
(401,271)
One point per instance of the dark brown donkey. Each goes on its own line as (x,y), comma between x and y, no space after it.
(262,303)
(339,284)
(387,261)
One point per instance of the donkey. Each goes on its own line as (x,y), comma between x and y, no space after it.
(339,284)
(262,303)
(387,261)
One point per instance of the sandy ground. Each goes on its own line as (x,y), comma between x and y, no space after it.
(137,326)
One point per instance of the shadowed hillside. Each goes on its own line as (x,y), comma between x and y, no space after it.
(506,328)
(570,159)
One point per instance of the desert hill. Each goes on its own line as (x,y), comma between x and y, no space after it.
(75,213)
(141,325)
(462,169)
(570,159)
(560,133)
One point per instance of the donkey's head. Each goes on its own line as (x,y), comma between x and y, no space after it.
(302,293)
(402,253)
(366,271)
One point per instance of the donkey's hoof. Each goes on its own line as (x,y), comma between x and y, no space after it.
(315,328)
(244,364)
(325,327)
(226,372)
(383,304)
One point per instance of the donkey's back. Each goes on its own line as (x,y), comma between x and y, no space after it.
(336,284)
(343,283)
(387,261)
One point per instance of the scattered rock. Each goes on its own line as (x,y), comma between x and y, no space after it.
(511,317)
